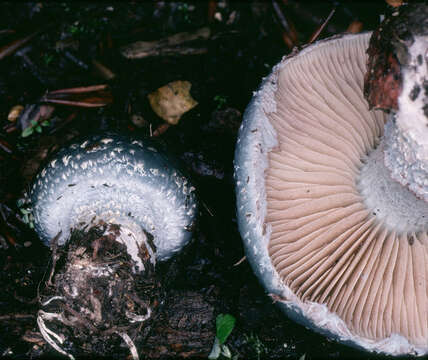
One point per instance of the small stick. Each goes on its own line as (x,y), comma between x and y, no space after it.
(103,70)
(16,316)
(317,33)
(88,96)
(161,129)
(289,35)
(78,90)
(75,60)
(15,45)
(4,145)
(207,208)
(240,261)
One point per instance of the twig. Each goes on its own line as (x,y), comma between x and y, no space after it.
(289,34)
(240,261)
(171,45)
(88,96)
(317,32)
(308,15)
(103,70)
(161,129)
(22,53)
(7,31)
(64,123)
(15,45)
(16,316)
(75,60)
(33,337)
(207,208)
(5,146)
(10,128)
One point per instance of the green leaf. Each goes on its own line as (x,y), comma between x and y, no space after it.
(303,357)
(33,122)
(38,128)
(215,351)
(24,211)
(224,325)
(27,132)
(45,123)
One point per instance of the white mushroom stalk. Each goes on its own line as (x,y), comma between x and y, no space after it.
(327,227)
(398,70)
(406,152)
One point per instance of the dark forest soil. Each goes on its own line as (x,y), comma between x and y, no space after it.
(247,39)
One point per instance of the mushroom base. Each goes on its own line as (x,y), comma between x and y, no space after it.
(98,299)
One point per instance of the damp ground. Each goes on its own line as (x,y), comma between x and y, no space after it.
(68,45)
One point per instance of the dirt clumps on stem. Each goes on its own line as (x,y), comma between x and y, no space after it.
(97,300)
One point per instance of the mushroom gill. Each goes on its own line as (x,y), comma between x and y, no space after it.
(341,234)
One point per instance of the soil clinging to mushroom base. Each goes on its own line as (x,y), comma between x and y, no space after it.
(96,301)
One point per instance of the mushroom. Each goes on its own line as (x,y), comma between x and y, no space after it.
(332,196)
(131,204)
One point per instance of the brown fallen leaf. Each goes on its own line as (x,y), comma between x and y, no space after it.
(103,71)
(171,101)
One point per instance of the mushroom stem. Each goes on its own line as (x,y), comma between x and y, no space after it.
(406,153)
(392,204)
(397,81)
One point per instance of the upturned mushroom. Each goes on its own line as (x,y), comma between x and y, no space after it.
(111,207)
(332,196)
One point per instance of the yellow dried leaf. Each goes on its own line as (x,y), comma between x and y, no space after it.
(15,112)
(171,101)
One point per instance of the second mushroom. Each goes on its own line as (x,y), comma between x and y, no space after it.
(332,196)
